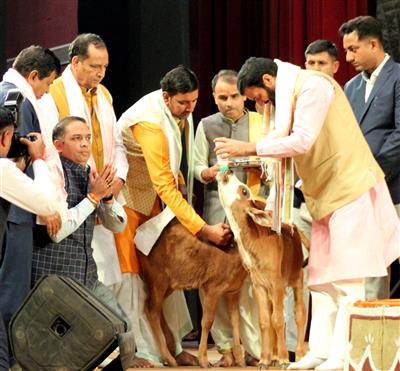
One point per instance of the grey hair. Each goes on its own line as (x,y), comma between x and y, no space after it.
(59,129)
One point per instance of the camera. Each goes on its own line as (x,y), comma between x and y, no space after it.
(13,102)
(17,148)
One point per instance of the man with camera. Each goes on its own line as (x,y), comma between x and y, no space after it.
(18,189)
(33,70)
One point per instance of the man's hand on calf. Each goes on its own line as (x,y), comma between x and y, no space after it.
(220,234)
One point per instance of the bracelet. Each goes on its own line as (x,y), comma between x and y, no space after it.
(37,157)
(108,198)
(93,199)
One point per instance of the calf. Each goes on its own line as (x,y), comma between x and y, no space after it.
(179,260)
(274,262)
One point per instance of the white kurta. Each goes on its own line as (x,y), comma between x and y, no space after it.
(358,240)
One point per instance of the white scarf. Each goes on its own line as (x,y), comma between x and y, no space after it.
(104,112)
(284,88)
(152,108)
(282,192)
(51,156)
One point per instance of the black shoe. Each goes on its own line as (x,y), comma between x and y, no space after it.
(292,356)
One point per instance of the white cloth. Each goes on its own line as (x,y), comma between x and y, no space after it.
(105,255)
(370,80)
(366,231)
(51,155)
(104,112)
(330,307)
(152,108)
(113,218)
(131,294)
(284,87)
(35,196)
(313,103)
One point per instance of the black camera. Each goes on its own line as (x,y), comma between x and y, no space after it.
(17,148)
(13,102)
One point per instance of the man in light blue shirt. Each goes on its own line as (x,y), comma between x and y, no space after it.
(68,252)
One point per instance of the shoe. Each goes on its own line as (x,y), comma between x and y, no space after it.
(292,356)
(331,364)
(306,363)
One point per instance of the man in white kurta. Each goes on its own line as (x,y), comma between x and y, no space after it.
(355,232)
(36,196)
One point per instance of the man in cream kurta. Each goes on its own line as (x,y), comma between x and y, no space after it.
(156,191)
(232,121)
(354,219)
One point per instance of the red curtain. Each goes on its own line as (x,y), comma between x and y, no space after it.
(224,33)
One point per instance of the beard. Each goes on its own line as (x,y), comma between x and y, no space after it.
(271,95)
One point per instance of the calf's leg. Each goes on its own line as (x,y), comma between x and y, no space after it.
(300,317)
(233,307)
(264,319)
(154,303)
(169,337)
(210,302)
(278,321)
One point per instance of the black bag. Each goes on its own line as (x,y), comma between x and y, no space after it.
(61,326)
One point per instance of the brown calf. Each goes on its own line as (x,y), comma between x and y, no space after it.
(179,260)
(274,262)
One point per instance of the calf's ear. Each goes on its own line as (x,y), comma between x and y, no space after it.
(258,204)
(260,217)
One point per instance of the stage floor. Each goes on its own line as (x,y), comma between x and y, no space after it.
(213,357)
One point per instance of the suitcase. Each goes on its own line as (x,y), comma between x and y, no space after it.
(61,326)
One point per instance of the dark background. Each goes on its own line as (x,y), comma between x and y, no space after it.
(146,38)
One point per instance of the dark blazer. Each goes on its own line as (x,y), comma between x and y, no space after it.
(379,119)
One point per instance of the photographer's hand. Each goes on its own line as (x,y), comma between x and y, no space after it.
(35,148)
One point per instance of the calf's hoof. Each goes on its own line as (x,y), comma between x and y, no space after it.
(186,359)
(263,366)
(205,364)
(241,364)
(172,363)
(225,361)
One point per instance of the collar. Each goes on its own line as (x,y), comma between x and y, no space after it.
(374,75)
(74,166)
(238,121)
(85,91)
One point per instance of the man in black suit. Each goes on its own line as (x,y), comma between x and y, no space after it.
(374,95)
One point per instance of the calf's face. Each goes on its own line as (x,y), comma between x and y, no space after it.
(242,211)
(231,189)
(236,197)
